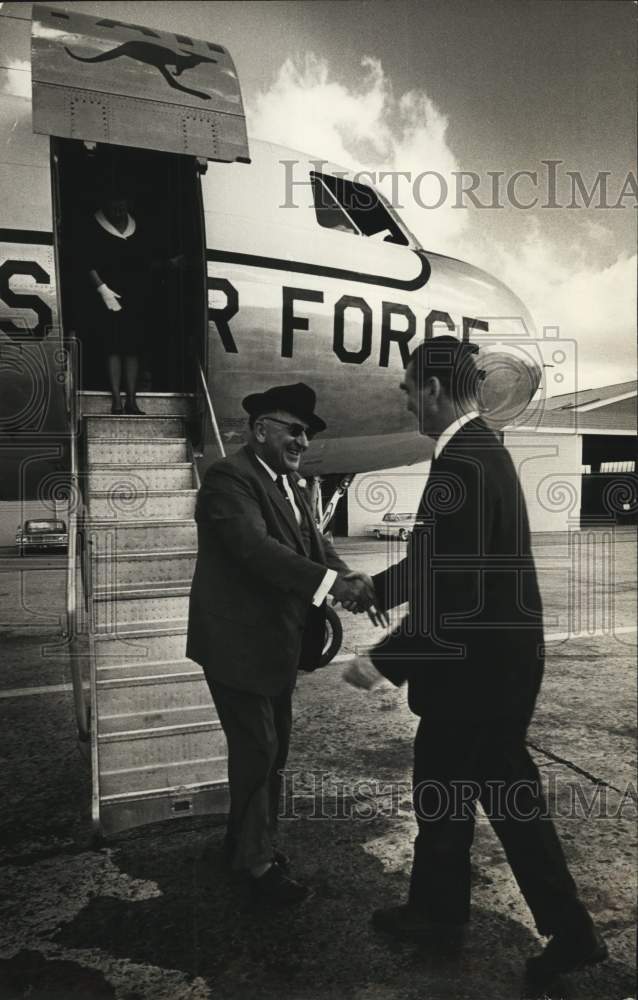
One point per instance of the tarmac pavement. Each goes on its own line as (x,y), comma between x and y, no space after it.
(155,915)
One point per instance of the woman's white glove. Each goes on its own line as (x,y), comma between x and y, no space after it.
(110,298)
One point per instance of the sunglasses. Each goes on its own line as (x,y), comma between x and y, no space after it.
(296,430)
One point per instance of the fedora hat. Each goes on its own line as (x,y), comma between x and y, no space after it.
(297,399)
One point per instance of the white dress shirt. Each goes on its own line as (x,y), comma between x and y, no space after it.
(450,431)
(323,589)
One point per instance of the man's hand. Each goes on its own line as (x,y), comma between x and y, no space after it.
(362,673)
(355,591)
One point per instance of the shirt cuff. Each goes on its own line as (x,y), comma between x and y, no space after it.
(323,589)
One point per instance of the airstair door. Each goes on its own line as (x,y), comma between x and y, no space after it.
(101,80)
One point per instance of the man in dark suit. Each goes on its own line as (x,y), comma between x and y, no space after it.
(257,612)
(471,650)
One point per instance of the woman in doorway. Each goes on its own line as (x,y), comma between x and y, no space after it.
(117,258)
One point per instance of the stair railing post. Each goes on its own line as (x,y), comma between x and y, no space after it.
(81,712)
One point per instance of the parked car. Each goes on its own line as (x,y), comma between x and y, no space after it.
(393,526)
(42,536)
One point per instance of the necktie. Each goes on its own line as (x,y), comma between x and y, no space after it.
(279,483)
(293,507)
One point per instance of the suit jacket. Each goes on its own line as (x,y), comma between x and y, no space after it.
(472,642)
(251,609)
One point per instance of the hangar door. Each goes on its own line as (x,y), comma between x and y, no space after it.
(610,482)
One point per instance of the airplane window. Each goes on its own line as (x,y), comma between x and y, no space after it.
(344,204)
(329,212)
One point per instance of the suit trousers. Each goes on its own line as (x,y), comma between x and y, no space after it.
(456,765)
(257,729)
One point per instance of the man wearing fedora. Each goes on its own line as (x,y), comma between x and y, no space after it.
(257,613)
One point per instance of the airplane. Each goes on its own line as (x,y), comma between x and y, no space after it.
(282,285)
(273,266)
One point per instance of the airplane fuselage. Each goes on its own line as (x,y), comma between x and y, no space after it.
(292,294)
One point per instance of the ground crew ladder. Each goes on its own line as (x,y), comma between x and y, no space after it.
(158,751)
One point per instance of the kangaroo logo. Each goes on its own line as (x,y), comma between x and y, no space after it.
(158,56)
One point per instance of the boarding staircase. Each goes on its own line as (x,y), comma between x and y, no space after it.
(157,748)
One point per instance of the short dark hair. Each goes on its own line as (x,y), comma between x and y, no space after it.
(453,362)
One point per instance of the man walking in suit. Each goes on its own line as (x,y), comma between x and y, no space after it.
(471,650)
(257,612)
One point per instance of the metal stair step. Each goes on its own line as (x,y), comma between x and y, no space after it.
(158,720)
(134,647)
(154,504)
(122,630)
(142,555)
(170,404)
(156,778)
(152,626)
(140,477)
(121,428)
(143,568)
(113,451)
(126,754)
(168,802)
(109,537)
(140,670)
(128,676)
(112,614)
(152,590)
(173,687)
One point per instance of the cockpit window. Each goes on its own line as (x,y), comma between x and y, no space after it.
(353,208)
(330,213)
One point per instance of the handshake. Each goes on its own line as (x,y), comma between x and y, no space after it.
(355,591)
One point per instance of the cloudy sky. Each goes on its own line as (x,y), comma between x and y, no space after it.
(484,86)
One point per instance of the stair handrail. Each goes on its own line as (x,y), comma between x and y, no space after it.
(211,411)
(70,393)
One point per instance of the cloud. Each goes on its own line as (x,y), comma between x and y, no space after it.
(595,307)
(597,233)
(366,128)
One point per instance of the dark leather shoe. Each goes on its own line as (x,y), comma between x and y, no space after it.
(277,889)
(281,859)
(116,409)
(566,952)
(278,856)
(410,924)
(133,409)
